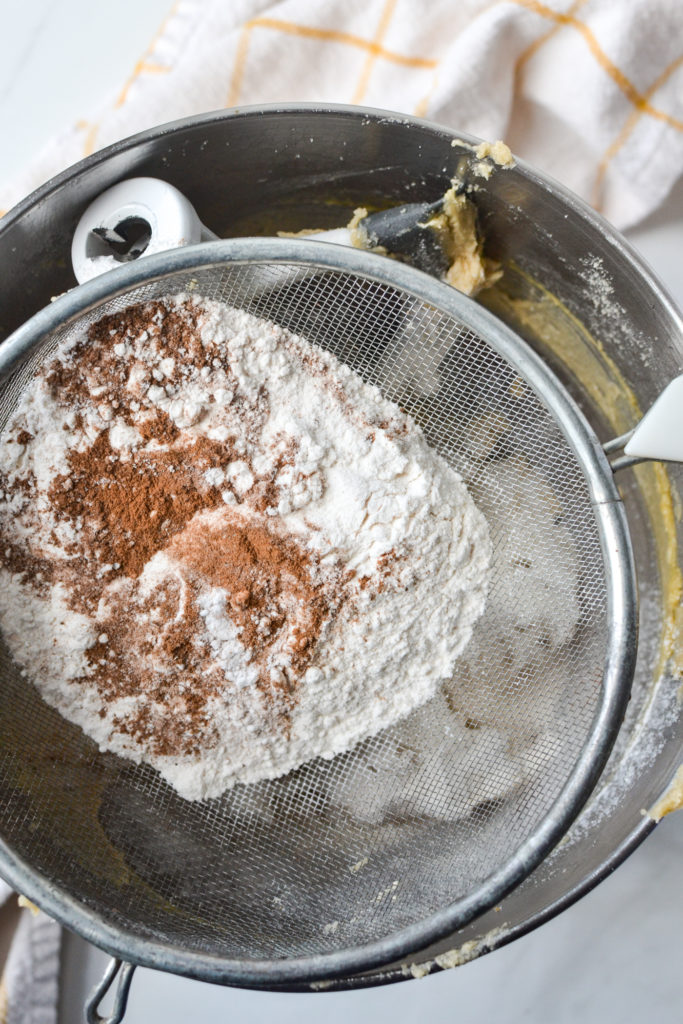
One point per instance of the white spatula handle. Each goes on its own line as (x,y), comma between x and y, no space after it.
(659,435)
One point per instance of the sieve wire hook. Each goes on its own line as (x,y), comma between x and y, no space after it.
(115,968)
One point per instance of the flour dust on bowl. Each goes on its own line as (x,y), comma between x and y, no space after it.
(347,862)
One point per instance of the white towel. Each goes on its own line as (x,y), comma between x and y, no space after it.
(29,982)
(590,91)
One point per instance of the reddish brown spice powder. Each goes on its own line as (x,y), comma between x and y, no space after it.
(125,506)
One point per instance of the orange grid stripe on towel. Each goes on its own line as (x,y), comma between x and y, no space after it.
(422,106)
(628,128)
(373,48)
(629,90)
(143,66)
(371,58)
(534,47)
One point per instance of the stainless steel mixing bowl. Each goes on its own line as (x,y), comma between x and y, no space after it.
(572,287)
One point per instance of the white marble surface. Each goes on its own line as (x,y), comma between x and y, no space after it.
(614,958)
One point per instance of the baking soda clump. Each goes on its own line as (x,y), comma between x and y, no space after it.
(223,553)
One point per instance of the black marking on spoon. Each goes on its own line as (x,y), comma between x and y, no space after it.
(126,242)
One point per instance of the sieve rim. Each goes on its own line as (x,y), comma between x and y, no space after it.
(621,596)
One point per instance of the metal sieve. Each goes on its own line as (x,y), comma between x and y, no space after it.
(350,863)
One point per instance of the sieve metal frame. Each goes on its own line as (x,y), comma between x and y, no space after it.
(621,597)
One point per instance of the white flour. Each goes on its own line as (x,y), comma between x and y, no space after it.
(379,528)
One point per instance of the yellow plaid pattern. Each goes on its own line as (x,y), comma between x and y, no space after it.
(332,32)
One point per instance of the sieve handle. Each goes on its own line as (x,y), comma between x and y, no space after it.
(115,968)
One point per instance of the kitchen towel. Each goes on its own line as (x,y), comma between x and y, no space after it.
(29,981)
(590,91)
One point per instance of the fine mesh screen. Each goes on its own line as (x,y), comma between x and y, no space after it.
(347,851)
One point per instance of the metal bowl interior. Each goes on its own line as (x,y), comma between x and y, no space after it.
(571,287)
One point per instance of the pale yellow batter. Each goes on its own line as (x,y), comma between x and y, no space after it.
(670,800)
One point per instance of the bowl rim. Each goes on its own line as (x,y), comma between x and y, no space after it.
(373,115)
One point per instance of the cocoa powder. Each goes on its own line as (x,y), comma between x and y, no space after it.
(125,506)
(130,507)
(269,577)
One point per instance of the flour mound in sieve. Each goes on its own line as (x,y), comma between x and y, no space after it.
(224,554)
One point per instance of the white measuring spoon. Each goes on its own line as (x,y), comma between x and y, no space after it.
(142,216)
